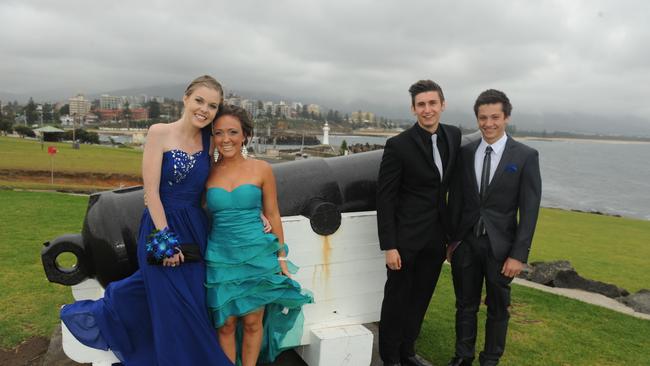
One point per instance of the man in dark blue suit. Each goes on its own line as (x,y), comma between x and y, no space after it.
(495,201)
(412,220)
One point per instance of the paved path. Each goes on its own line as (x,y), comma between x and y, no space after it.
(584,296)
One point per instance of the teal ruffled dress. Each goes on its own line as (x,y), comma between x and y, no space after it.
(243,272)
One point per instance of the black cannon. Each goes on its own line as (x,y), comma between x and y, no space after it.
(320,189)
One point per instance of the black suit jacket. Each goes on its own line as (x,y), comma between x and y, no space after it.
(515,190)
(410,196)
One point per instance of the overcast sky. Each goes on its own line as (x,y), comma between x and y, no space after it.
(580,57)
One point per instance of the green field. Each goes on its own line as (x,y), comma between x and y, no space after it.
(545,329)
(23,154)
(604,248)
(28,301)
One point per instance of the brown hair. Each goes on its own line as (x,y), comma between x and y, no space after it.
(207,81)
(493,96)
(241,115)
(423,86)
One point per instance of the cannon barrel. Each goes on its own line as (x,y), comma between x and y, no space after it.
(319,189)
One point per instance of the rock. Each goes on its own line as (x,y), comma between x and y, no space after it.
(545,272)
(571,279)
(55,355)
(639,301)
(526,272)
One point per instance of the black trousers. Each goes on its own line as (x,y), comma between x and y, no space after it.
(471,264)
(406,297)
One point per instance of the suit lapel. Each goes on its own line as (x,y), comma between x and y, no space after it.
(451,153)
(505,160)
(423,149)
(469,164)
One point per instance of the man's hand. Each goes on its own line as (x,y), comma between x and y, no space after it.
(512,267)
(450,250)
(393,260)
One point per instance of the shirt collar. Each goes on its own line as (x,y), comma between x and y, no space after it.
(497,147)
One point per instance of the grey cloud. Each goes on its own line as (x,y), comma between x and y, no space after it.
(585,57)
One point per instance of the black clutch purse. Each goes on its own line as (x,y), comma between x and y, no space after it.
(191,253)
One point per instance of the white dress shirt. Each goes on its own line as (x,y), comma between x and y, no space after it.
(495,157)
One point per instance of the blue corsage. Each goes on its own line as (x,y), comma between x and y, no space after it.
(512,168)
(162,244)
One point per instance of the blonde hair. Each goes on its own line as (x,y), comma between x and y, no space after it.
(207,81)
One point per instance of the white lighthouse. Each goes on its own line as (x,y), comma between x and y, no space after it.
(326,134)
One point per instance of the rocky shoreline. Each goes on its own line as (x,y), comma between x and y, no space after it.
(561,274)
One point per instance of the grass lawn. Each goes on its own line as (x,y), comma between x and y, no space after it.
(604,248)
(544,330)
(18,153)
(28,301)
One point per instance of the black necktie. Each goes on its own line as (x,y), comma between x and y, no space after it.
(485,180)
(485,173)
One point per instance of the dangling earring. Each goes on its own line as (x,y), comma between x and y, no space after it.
(244,151)
(216,154)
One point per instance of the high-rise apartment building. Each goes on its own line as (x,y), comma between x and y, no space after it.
(110,102)
(79,105)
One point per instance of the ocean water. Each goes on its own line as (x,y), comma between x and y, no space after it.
(605,176)
(610,177)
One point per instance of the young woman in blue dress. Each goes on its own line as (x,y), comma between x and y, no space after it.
(254,303)
(158,316)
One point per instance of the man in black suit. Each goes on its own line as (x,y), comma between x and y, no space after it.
(412,220)
(495,198)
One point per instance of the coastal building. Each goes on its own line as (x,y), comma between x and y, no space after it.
(363,117)
(234,100)
(108,114)
(281,109)
(79,105)
(139,114)
(110,102)
(268,107)
(313,108)
(250,106)
(66,120)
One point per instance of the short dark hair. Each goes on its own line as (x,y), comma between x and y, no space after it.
(493,96)
(425,86)
(241,115)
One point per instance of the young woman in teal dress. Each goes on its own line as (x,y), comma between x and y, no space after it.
(158,316)
(254,303)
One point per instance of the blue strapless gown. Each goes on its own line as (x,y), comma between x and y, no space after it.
(243,273)
(158,315)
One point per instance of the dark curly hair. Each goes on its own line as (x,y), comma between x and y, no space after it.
(241,115)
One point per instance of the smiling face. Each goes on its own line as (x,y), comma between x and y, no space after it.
(428,107)
(492,121)
(201,106)
(228,136)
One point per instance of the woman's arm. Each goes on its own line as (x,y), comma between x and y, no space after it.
(272,211)
(151,166)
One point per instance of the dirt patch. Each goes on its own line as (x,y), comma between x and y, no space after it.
(103,180)
(28,353)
